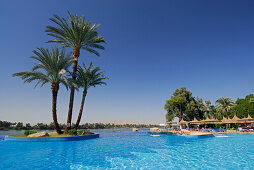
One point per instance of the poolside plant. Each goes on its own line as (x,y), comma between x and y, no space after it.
(86,78)
(50,67)
(76,33)
(29,132)
(73,132)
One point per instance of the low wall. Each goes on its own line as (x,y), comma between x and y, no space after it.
(42,139)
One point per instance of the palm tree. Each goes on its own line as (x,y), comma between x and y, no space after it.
(77,34)
(224,104)
(50,68)
(86,78)
(208,103)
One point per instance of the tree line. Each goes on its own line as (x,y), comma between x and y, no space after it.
(184,105)
(5,125)
(52,65)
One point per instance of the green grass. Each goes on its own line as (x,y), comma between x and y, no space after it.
(60,135)
(50,135)
(54,135)
(18,135)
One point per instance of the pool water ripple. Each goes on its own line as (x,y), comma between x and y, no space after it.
(132,151)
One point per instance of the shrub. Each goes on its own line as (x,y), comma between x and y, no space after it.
(73,132)
(84,132)
(80,132)
(29,132)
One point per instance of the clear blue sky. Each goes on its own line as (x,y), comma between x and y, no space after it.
(153,48)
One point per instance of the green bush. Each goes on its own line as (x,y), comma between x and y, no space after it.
(73,132)
(80,132)
(84,132)
(29,132)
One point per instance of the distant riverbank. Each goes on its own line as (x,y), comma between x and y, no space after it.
(21,132)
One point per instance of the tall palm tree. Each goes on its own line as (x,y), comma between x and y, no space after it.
(77,34)
(224,104)
(208,103)
(86,78)
(50,68)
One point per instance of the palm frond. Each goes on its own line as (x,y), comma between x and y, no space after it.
(50,67)
(75,32)
(89,76)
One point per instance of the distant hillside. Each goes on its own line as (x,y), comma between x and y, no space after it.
(124,122)
(120,122)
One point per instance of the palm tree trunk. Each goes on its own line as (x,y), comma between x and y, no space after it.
(75,55)
(227,114)
(55,88)
(81,108)
(181,116)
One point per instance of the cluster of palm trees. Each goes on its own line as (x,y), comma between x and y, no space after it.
(52,65)
(223,105)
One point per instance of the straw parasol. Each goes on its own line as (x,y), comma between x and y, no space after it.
(224,121)
(171,122)
(235,119)
(183,122)
(195,122)
(207,121)
(215,121)
(248,119)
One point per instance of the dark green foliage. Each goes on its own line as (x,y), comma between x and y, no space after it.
(73,132)
(224,105)
(243,107)
(80,132)
(76,32)
(50,67)
(183,104)
(4,125)
(29,132)
(84,132)
(19,126)
(194,107)
(89,76)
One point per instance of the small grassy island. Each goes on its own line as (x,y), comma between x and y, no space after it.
(72,135)
(72,132)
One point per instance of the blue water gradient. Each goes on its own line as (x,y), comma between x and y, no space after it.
(130,150)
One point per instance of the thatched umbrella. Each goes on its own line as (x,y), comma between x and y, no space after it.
(224,121)
(195,122)
(235,119)
(215,121)
(207,121)
(248,119)
(171,123)
(183,122)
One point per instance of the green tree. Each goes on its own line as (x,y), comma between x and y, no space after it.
(86,78)
(224,104)
(212,112)
(176,104)
(200,108)
(19,126)
(243,107)
(183,105)
(208,107)
(50,68)
(77,34)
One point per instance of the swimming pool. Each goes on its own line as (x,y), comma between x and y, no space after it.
(131,150)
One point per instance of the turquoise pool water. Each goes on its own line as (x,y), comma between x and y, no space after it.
(130,150)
